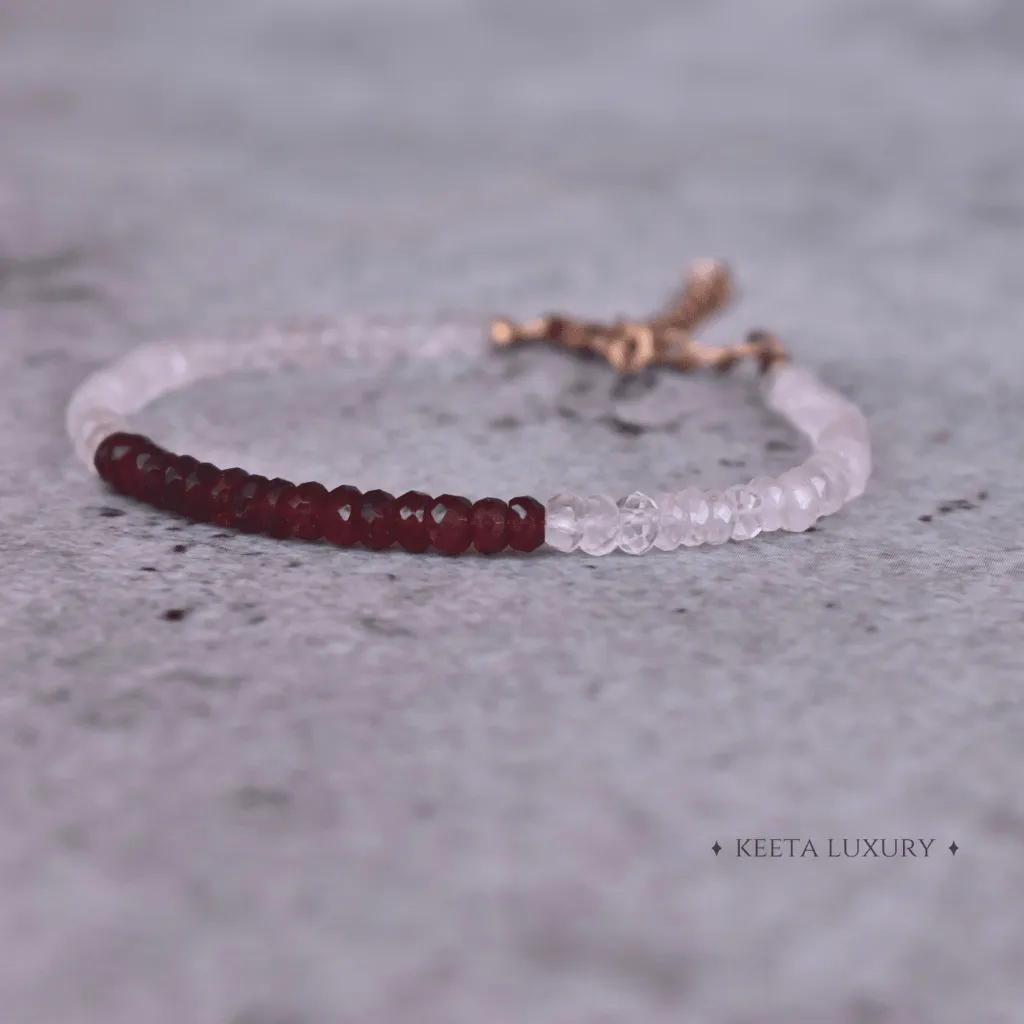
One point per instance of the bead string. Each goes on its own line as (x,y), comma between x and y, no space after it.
(133,465)
(836,472)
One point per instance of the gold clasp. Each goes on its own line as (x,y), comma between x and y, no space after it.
(664,340)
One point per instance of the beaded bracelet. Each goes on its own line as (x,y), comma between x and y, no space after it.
(835,473)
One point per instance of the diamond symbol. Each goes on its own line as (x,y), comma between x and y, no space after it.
(716,848)
(953,847)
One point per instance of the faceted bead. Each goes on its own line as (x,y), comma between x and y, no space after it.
(129,478)
(450,524)
(771,494)
(563,521)
(375,520)
(251,512)
(103,458)
(850,442)
(303,508)
(747,504)
(525,526)
(819,481)
(151,475)
(222,496)
(198,484)
(828,474)
(279,524)
(697,515)
(116,454)
(174,482)
(490,525)
(672,522)
(409,521)
(600,525)
(343,512)
(265,513)
(799,501)
(722,519)
(638,523)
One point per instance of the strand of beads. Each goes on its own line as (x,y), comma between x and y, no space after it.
(203,493)
(638,523)
(836,472)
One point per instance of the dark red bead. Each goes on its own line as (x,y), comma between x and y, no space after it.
(103,457)
(450,523)
(178,470)
(525,524)
(114,456)
(150,475)
(251,513)
(489,518)
(262,512)
(409,521)
(222,496)
(198,484)
(342,516)
(304,509)
(280,522)
(122,467)
(375,522)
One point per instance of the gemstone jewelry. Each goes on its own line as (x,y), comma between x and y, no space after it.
(835,473)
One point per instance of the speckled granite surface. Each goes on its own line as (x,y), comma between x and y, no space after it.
(254,783)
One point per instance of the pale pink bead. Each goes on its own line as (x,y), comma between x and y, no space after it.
(800,502)
(771,502)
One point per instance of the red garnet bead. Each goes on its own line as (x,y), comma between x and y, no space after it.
(450,524)
(222,496)
(126,471)
(489,518)
(150,475)
(114,458)
(198,485)
(264,514)
(409,521)
(525,527)
(343,509)
(250,506)
(304,509)
(104,458)
(178,470)
(375,520)
(280,523)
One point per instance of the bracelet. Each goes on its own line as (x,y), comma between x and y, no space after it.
(836,472)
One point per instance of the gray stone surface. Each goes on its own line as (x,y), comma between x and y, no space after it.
(370,789)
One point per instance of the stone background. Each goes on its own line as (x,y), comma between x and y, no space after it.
(245,782)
